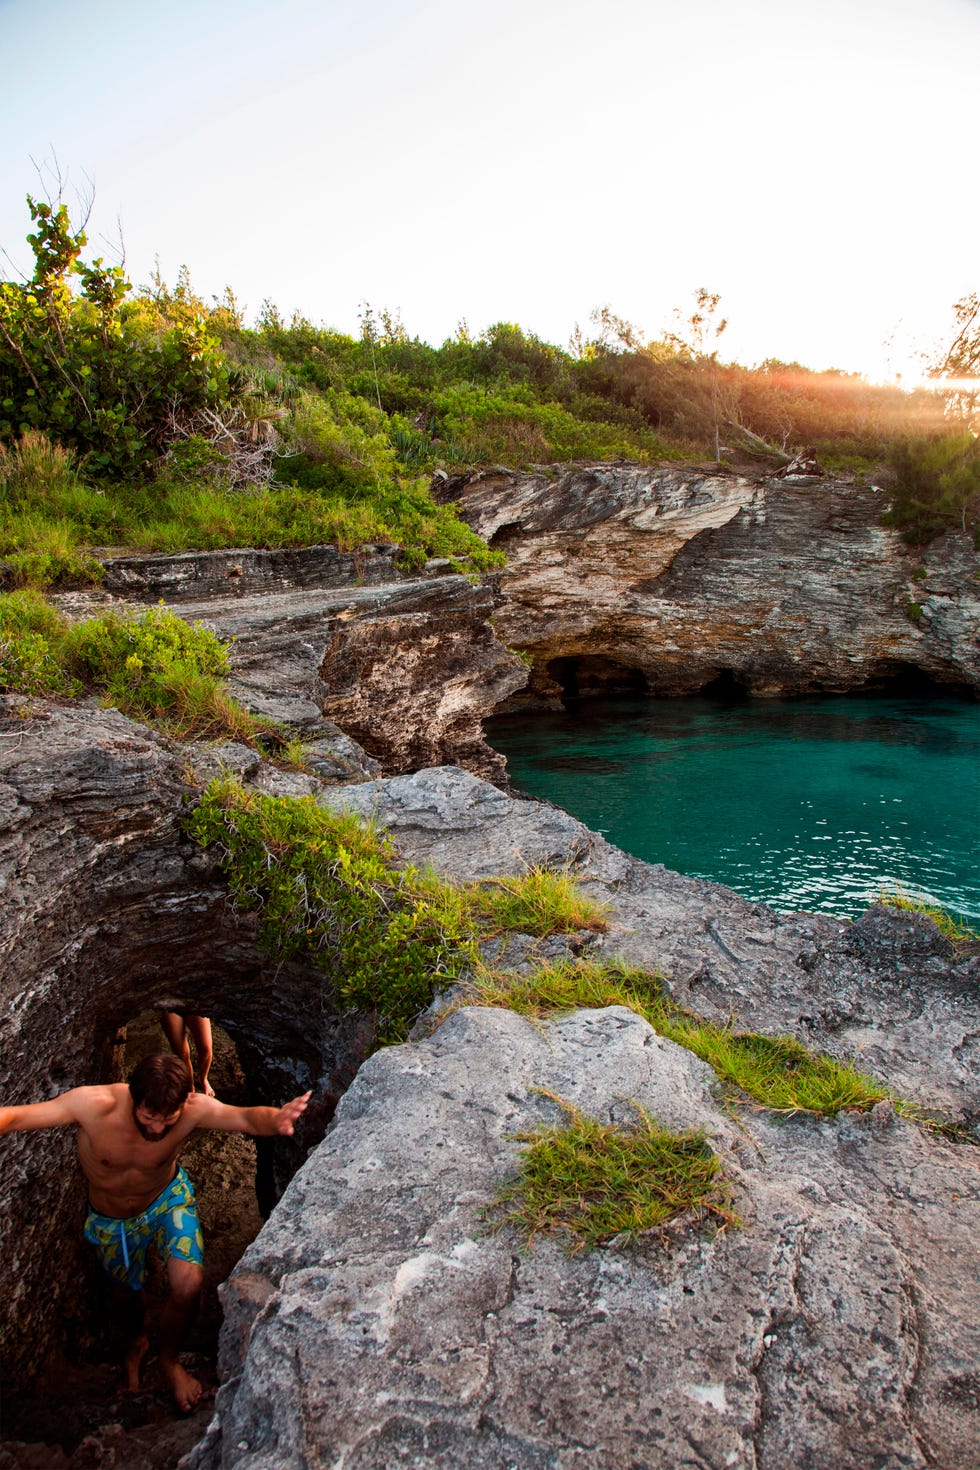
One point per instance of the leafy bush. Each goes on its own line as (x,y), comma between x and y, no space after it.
(106,378)
(31,642)
(156,667)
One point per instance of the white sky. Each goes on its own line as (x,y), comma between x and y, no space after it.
(814,161)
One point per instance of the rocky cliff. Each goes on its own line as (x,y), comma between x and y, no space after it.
(376,1322)
(673,580)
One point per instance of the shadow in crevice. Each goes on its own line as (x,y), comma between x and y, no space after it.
(593,676)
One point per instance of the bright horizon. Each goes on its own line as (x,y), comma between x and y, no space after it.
(525,162)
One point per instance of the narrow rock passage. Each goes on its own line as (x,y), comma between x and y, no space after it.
(75,1417)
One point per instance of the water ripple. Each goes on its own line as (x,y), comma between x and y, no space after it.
(812,804)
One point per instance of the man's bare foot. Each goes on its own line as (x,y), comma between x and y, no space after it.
(135,1354)
(206,1087)
(185,1389)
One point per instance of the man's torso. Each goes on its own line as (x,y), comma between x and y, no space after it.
(125,1171)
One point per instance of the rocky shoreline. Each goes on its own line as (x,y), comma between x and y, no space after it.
(373,1322)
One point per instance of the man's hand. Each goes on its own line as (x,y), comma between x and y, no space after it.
(290,1113)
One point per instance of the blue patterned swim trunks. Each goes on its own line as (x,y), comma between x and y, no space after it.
(170,1224)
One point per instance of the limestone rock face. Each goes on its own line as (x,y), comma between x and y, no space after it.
(836,1327)
(375,1322)
(667,579)
(407,666)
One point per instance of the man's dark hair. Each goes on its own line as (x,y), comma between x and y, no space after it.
(160,1083)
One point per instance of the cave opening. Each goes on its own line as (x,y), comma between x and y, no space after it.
(276,1034)
(594,676)
(901,680)
(725,688)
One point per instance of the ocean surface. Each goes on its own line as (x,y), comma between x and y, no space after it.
(819,804)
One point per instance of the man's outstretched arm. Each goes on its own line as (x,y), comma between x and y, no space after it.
(76,1106)
(208,1112)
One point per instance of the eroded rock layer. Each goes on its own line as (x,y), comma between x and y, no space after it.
(109,910)
(674,580)
(372,1323)
(408,666)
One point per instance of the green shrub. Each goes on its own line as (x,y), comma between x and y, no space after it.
(159,668)
(195,459)
(326,887)
(107,376)
(51,568)
(345,435)
(938,487)
(155,667)
(31,643)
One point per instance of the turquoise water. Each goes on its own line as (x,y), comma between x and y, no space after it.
(815,804)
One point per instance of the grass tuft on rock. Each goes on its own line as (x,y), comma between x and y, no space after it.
(595,1182)
(538,902)
(328,888)
(777,1071)
(949,927)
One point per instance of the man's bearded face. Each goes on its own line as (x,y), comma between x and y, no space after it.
(152,1126)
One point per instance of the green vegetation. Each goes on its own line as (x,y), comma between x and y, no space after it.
(938,487)
(949,927)
(538,901)
(778,1072)
(156,421)
(596,1181)
(32,647)
(156,667)
(327,887)
(100,372)
(47,523)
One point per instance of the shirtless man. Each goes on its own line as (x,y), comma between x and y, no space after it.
(129,1136)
